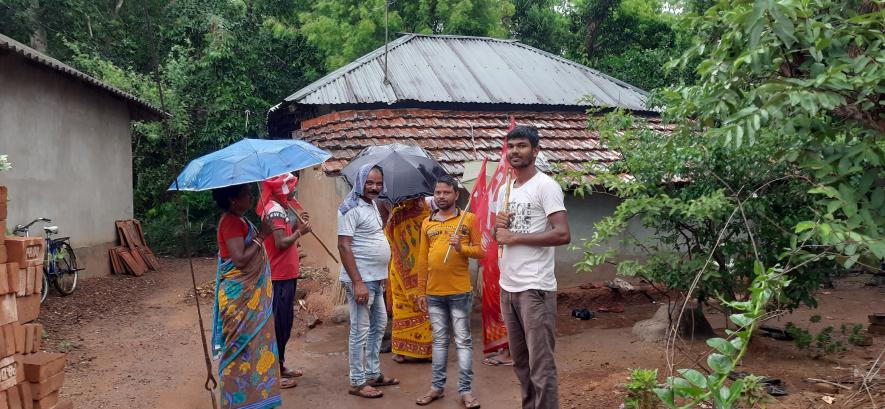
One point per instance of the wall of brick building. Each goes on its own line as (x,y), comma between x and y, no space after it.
(70,148)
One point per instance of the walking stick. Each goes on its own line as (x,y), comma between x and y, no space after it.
(301,217)
(458,228)
(506,207)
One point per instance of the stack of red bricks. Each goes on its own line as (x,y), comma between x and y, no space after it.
(29,378)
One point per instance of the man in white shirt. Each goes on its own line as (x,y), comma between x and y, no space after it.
(533,224)
(365,255)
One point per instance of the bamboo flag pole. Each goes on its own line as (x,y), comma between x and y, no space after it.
(460,222)
(301,217)
(506,206)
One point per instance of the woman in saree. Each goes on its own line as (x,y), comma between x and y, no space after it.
(411,333)
(243,339)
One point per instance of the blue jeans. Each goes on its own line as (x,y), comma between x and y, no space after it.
(451,313)
(367,323)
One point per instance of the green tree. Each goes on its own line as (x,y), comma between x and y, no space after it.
(542,23)
(628,39)
(775,156)
(343,30)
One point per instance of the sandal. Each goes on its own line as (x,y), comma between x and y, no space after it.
(287,383)
(494,361)
(383,381)
(365,391)
(398,358)
(469,401)
(291,373)
(430,396)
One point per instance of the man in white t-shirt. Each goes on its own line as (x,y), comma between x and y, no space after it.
(534,223)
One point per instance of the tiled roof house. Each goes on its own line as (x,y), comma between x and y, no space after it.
(453,96)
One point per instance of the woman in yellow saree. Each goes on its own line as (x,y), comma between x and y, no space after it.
(411,333)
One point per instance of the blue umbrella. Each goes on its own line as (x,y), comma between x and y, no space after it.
(247,161)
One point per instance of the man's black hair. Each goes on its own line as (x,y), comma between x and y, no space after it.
(525,132)
(449,180)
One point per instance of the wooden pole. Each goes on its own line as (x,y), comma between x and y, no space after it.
(301,217)
(506,206)
(458,228)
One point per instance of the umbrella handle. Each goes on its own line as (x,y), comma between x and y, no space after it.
(506,208)
(301,217)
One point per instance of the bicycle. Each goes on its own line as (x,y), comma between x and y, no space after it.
(59,264)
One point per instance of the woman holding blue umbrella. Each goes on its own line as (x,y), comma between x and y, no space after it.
(243,335)
(243,339)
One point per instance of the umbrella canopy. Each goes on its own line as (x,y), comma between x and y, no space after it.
(249,160)
(409,171)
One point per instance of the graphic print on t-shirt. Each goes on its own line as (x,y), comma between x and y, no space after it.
(521,222)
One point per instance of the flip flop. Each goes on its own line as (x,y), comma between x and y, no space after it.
(383,381)
(430,397)
(287,383)
(494,361)
(291,373)
(361,392)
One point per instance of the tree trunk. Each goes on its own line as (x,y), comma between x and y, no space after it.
(38,35)
(594,19)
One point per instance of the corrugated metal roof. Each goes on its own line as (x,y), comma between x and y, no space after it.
(143,111)
(461,69)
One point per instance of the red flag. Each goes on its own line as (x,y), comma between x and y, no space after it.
(486,203)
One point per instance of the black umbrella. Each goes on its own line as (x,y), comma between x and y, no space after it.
(409,171)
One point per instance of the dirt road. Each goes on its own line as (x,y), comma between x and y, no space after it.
(134,343)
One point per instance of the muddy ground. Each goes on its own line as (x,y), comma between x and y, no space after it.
(134,343)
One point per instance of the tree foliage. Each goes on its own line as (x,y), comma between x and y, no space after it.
(775,156)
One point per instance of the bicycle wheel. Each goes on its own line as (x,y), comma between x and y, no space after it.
(65,280)
(45,289)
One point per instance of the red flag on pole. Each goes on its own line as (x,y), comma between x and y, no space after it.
(486,204)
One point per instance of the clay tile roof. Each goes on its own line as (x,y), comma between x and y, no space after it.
(448,136)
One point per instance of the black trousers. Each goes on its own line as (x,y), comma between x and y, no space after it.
(283,313)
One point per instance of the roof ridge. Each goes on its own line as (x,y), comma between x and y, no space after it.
(60,67)
(346,68)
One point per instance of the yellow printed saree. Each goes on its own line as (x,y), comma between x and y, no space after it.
(411,335)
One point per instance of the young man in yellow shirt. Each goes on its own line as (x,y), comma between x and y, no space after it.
(446,292)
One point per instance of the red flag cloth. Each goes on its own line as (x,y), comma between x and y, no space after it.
(486,199)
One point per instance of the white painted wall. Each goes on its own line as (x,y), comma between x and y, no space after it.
(69,145)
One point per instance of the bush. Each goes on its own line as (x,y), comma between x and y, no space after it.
(163,225)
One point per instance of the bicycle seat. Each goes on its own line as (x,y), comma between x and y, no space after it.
(51,229)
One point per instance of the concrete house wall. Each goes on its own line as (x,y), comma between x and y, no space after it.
(69,145)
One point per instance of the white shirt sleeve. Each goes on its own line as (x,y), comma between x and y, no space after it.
(552,198)
(347,223)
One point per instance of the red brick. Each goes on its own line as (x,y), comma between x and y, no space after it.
(12,276)
(49,402)
(2,231)
(31,279)
(8,309)
(22,280)
(4,283)
(42,365)
(24,389)
(8,340)
(8,373)
(19,338)
(28,308)
(40,390)
(25,249)
(38,337)
(3,402)
(19,369)
(3,193)
(3,212)
(3,256)
(29,339)
(38,283)
(14,398)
